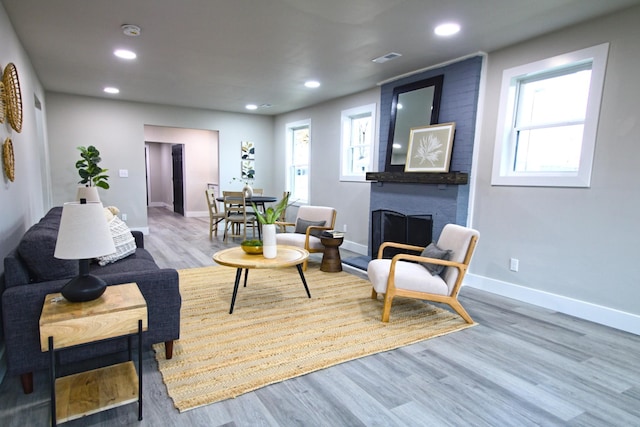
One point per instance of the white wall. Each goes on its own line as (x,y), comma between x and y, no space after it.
(117,129)
(576,246)
(351,199)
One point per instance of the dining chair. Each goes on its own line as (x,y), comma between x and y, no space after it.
(282,219)
(215,217)
(237,218)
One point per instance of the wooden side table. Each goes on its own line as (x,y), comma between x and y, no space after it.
(120,311)
(331,262)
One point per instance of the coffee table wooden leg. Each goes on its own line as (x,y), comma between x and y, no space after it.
(235,289)
(304,281)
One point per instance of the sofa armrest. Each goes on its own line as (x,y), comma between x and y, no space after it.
(139,236)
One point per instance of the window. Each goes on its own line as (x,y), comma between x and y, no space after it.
(548,119)
(356,153)
(298,154)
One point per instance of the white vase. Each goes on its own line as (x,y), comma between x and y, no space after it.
(269,246)
(247,190)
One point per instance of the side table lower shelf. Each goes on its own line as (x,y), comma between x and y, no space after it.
(93,391)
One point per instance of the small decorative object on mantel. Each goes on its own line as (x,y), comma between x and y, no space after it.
(12,96)
(430,148)
(8,159)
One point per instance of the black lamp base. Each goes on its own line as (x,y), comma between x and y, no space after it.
(84,288)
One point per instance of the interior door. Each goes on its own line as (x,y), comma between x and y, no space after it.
(178,179)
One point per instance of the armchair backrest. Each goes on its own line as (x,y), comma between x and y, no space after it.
(318,213)
(462,242)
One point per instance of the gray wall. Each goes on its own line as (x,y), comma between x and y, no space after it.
(25,200)
(576,246)
(351,199)
(117,128)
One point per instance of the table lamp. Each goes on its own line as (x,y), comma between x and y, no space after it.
(83,234)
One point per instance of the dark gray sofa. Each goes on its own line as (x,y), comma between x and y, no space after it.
(31,272)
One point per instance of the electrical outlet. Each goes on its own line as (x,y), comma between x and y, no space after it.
(514,264)
(124,216)
(344,228)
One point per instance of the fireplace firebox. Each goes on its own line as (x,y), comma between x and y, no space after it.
(391,226)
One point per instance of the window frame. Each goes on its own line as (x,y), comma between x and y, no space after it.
(346,119)
(504,150)
(290,128)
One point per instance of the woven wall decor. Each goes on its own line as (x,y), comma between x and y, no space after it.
(12,96)
(8,160)
(2,106)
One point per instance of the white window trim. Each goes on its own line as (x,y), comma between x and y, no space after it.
(502,173)
(346,116)
(289,128)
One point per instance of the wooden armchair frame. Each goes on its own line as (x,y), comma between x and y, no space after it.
(451,299)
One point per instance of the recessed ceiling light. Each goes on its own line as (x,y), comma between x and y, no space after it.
(112,90)
(312,84)
(251,107)
(131,30)
(125,54)
(448,29)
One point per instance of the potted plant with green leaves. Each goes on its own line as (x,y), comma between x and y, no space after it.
(268,220)
(91,174)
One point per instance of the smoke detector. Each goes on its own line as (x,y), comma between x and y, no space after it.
(131,30)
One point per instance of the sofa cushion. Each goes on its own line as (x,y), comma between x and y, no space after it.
(36,250)
(140,260)
(122,239)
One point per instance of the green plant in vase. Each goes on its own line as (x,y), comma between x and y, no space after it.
(271,215)
(91,174)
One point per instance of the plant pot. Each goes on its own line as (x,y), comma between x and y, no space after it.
(88,193)
(269,246)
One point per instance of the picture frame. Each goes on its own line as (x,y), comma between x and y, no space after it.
(430,148)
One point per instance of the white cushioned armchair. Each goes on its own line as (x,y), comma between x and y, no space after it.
(400,277)
(310,222)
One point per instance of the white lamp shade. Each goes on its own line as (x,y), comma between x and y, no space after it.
(88,193)
(84,232)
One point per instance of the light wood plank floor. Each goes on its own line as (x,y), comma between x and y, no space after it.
(521,366)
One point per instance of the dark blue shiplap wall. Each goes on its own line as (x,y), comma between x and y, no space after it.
(447,203)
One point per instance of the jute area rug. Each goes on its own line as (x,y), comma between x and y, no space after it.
(276,332)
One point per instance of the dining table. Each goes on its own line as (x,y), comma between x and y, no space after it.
(259,201)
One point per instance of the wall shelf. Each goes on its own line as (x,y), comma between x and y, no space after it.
(451,178)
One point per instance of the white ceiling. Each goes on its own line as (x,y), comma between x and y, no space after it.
(223,54)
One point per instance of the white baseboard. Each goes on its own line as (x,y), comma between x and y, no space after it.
(355,247)
(196,214)
(614,318)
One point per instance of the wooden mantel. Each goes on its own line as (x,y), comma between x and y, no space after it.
(452,178)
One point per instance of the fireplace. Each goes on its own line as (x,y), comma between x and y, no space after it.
(391,226)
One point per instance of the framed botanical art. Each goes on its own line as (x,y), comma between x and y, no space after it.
(430,148)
